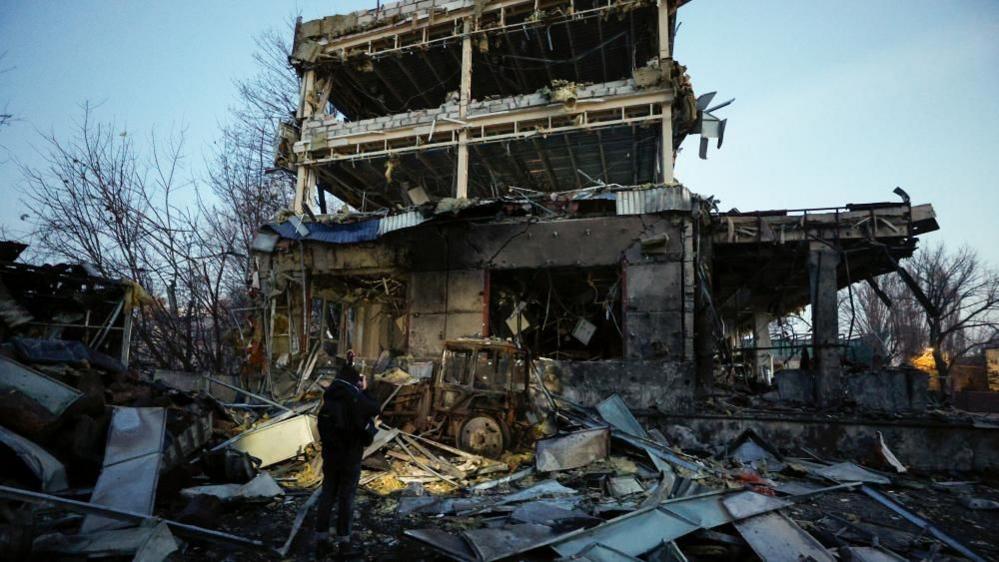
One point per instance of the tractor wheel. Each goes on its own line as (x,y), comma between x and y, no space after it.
(483,435)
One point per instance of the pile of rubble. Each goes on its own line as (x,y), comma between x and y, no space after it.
(123,465)
(605,488)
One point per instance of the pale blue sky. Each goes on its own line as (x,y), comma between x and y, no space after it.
(837,102)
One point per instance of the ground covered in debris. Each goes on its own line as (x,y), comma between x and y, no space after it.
(183,476)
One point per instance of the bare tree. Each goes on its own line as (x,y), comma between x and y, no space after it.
(241,172)
(5,115)
(896,328)
(101,198)
(963,294)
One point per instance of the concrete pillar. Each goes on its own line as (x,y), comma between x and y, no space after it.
(465,96)
(822,263)
(665,58)
(763,364)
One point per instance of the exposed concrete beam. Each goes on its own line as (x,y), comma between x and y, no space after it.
(378,140)
(415,31)
(665,58)
(889,221)
(465,96)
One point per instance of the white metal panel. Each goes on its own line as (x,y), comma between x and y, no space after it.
(131,467)
(644,201)
(278,441)
(397,222)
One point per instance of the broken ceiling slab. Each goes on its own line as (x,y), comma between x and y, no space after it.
(776,538)
(50,472)
(572,450)
(131,467)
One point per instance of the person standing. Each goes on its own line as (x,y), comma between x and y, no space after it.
(346,427)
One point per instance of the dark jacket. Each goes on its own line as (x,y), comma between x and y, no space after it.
(345,420)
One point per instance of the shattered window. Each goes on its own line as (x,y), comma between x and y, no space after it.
(519,372)
(456,364)
(485,370)
(503,370)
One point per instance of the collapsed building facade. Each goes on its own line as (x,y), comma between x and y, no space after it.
(510,165)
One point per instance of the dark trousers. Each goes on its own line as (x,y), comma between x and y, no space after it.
(341,473)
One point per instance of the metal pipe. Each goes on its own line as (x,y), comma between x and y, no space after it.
(182,529)
(921,523)
(250,394)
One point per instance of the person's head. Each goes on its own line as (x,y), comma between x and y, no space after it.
(349,374)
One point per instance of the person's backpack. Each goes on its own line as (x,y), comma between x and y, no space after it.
(339,418)
(334,417)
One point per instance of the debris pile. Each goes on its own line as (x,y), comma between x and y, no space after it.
(607,488)
(183,466)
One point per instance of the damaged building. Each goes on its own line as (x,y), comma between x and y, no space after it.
(509,166)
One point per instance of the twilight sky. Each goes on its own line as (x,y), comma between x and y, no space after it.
(835,102)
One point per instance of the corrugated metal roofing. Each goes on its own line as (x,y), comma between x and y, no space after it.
(642,201)
(346,233)
(400,221)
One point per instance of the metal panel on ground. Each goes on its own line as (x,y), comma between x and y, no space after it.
(53,395)
(279,441)
(131,468)
(615,412)
(775,538)
(50,472)
(640,531)
(494,544)
(599,553)
(573,450)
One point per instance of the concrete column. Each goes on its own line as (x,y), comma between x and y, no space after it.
(822,263)
(305,179)
(465,95)
(763,365)
(666,157)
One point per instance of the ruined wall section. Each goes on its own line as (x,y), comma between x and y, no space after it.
(664,385)
(443,305)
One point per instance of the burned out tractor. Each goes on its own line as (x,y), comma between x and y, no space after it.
(478,397)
